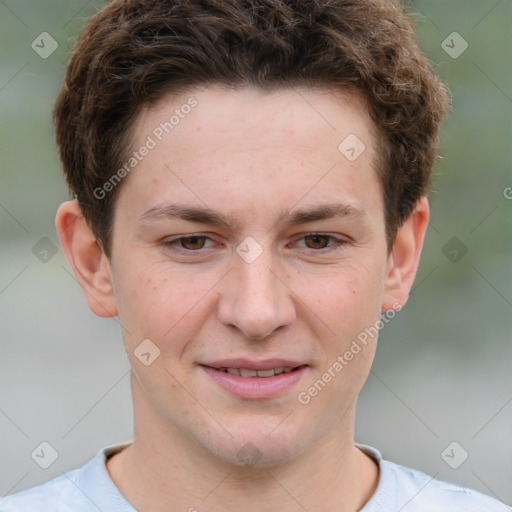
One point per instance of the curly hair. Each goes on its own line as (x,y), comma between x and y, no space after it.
(133,52)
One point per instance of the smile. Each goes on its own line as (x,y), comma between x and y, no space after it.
(244,372)
(262,381)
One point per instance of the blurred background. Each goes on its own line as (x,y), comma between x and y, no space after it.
(439,397)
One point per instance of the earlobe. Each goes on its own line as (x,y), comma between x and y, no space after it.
(87,259)
(405,256)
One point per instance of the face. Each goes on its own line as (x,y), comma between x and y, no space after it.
(250,250)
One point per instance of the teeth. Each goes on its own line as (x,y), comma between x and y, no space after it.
(266,373)
(286,369)
(248,373)
(243,372)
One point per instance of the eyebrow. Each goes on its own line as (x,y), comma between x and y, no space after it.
(211,217)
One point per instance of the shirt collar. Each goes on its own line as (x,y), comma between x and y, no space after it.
(98,486)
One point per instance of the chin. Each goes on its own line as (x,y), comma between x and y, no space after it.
(259,450)
(252,456)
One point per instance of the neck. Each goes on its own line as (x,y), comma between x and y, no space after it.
(164,469)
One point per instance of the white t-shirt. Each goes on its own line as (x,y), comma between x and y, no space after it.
(400,489)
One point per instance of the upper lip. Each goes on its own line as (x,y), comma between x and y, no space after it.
(250,364)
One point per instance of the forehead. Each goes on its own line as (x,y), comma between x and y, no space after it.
(217,146)
(219,109)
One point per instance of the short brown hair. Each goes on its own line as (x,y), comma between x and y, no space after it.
(132,52)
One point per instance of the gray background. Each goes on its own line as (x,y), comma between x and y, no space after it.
(442,371)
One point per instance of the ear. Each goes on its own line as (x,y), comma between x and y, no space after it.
(405,256)
(87,259)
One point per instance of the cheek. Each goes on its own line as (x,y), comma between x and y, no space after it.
(348,296)
(156,302)
(349,303)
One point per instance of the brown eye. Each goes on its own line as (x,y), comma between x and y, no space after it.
(317,241)
(188,243)
(321,243)
(192,243)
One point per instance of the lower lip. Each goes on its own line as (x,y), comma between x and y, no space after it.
(255,387)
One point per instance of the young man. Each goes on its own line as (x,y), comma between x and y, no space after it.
(251,185)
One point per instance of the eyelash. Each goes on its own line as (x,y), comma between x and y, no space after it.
(173,244)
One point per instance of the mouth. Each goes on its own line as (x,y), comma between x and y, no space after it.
(255,380)
(262,374)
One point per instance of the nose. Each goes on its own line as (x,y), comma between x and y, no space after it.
(255,298)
